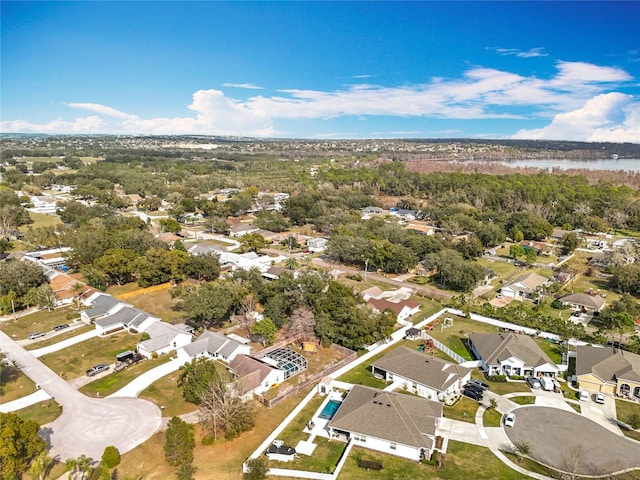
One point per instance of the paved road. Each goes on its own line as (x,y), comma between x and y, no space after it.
(87,425)
(602,451)
(38,352)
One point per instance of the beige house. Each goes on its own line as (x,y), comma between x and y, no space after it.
(524,287)
(608,370)
(583,302)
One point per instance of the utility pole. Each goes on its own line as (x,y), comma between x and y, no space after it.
(366,264)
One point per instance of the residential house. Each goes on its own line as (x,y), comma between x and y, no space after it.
(403,309)
(125,317)
(273,273)
(367,212)
(316,245)
(392,423)
(608,370)
(101,305)
(421,229)
(424,375)
(215,346)
(43,204)
(372,292)
(168,238)
(242,229)
(164,338)
(583,302)
(405,214)
(524,287)
(511,354)
(64,289)
(255,376)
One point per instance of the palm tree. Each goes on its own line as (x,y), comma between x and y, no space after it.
(77,289)
(291,263)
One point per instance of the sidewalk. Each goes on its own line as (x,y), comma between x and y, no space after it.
(24,402)
(38,352)
(137,385)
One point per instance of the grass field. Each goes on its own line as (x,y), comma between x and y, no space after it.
(501,387)
(462,461)
(492,418)
(14,384)
(41,220)
(464,410)
(61,336)
(625,411)
(221,461)
(158,303)
(43,413)
(524,399)
(42,321)
(168,396)
(73,361)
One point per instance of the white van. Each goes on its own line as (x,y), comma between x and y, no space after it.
(583,396)
(546,383)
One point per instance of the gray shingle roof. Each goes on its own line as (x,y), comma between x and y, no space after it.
(389,416)
(607,364)
(527,282)
(212,343)
(101,305)
(497,347)
(421,368)
(595,302)
(251,372)
(126,315)
(161,334)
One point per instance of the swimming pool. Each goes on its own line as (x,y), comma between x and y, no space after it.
(329,409)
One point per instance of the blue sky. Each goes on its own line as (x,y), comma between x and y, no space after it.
(323,70)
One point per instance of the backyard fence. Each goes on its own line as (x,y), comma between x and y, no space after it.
(442,347)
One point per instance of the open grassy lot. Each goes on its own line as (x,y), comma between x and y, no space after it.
(74,361)
(158,303)
(462,461)
(168,396)
(43,413)
(501,269)
(14,384)
(40,220)
(464,410)
(454,335)
(116,380)
(116,290)
(221,461)
(361,374)
(42,321)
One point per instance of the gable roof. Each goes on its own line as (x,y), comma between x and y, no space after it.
(398,418)
(382,304)
(374,292)
(161,334)
(251,372)
(213,343)
(125,315)
(497,347)
(424,369)
(101,304)
(595,302)
(527,282)
(607,364)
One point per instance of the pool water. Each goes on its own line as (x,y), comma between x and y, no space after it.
(330,409)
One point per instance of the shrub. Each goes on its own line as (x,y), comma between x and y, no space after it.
(111,457)
(498,378)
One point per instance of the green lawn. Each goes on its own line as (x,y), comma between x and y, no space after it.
(166,394)
(116,380)
(42,321)
(501,387)
(293,433)
(43,413)
(524,400)
(463,461)
(464,410)
(625,410)
(74,361)
(324,459)
(453,336)
(14,384)
(553,350)
(40,220)
(492,418)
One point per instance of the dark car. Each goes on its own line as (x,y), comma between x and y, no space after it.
(475,387)
(479,383)
(96,369)
(472,394)
(62,326)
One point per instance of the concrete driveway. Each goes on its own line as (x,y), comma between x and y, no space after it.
(556,435)
(604,415)
(87,425)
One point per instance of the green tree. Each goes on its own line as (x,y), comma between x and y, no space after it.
(203,267)
(253,242)
(195,378)
(265,328)
(170,225)
(569,243)
(291,263)
(179,443)
(272,221)
(19,445)
(119,264)
(522,449)
(516,251)
(530,256)
(257,469)
(110,457)
(40,466)
(212,302)
(19,277)
(159,265)
(45,297)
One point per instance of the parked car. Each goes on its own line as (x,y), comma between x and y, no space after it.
(533,382)
(96,369)
(480,384)
(62,326)
(584,396)
(472,394)
(599,397)
(475,387)
(509,419)
(33,336)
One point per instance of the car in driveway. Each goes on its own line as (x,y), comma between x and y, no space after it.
(479,384)
(600,398)
(33,336)
(583,396)
(533,382)
(509,419)
(62,326)
(472,394)
(96,369)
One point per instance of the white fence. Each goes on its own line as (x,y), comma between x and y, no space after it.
(442,347)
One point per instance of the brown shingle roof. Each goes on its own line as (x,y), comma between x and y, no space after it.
(389,416)
(421,368)
(251,372)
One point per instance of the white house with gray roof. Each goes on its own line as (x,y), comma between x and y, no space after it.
(126,317)
(583,302)
(524,287)
(215,346)
(101,305)
(392,423)
(424,375)
(511,354)
(164,337)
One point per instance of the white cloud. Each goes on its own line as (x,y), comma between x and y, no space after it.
(534,52)
(609,117)
(249,86)
(480,93)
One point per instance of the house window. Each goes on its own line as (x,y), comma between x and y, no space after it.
(359,437)
(392,446)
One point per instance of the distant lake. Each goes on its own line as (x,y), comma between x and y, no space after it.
(628,164)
